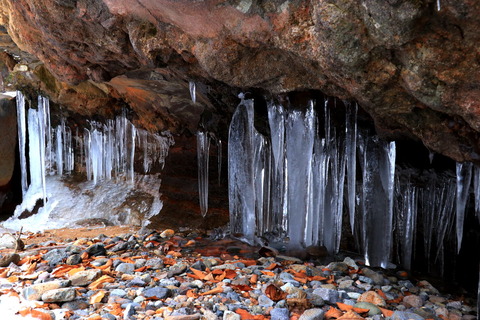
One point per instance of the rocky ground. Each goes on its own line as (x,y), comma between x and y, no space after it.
(123,273)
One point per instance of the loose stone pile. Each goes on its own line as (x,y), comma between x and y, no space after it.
(163,275)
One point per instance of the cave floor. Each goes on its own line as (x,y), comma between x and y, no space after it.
(122,272)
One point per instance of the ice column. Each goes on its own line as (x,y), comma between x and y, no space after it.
(351,147)
(300,136)
(476,190)
(406,219)
(276,120)
(378,160)
(203,149)
(193,93)
(241,172)
(262,178)
(464,176)
(22,139)
(36,137)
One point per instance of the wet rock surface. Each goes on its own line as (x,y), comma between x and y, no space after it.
(184,275)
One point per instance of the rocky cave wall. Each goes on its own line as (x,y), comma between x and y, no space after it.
(413,66)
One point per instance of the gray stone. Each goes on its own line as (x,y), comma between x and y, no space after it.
(75,305)
(118,292)
(230,315)
(312,314)
(280,314)
(370,306)
(74,259)
(316,300)
(402,315)
(155,264)
(329,295)
(125,268)
(350,262)
(121,246)
(59,295)
(136,282)
(55,256)
(338,266)
(265,301)
(413,300)
(84,278)
(97,249)
(99,262)
(129,311)
(156,293)
(140,263)
(177,269)
(345,284)
(365,279)
(376,277)
(35,292)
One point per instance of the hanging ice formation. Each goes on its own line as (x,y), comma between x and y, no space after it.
(203,150)
(103,152)
(281,195)
(277,195)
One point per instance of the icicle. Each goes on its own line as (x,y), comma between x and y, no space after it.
(431,155)
(193,93)
(464,175)
(406,216)
(476,190)
(22,140)
(438,5)
(59,150)
(300,134)
(219,160)
(131,145)
(241,172)
(203,155)
(36,153)
(351,147)
(377,199)
(276,120)
(96,154)
(44,105)
(87,143)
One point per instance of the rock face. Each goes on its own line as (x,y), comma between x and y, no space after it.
(413,67)
(8,141)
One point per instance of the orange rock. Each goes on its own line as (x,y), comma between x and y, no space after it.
(333,313)
(372,297)
(350,315)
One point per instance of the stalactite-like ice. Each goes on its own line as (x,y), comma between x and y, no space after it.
(406,219)
(378,166)
(476,190)
(276,120)
(219,160)
(300,136)
(203,151)
(193,93)
(22,140)
(241,172)
(102,152)
(464,176)
(351,148)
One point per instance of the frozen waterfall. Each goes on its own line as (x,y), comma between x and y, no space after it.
(293,187)
(105,153)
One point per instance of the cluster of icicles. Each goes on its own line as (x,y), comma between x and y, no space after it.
(102,152)
(294,186)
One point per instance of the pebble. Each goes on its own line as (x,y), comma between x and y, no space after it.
(280,314)
(59,295)
(186,285)
(84,278)
(312,314)
(35,291)
(125,268)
